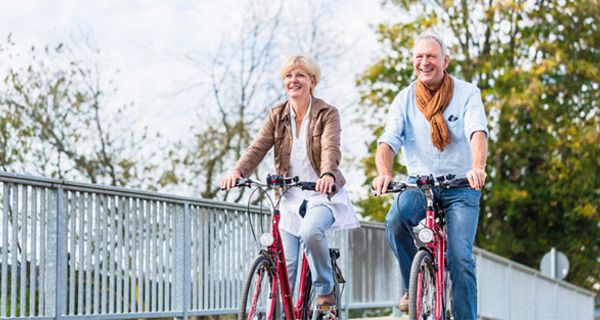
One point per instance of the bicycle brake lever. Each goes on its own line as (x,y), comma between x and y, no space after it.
(396,186)
(242,182)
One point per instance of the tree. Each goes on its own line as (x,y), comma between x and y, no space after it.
(536,63)
(243,85)
(56,121)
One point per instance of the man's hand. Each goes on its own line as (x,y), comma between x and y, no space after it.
(384,158)
(476,177)
(381,183)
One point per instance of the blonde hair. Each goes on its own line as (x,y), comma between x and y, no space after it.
(305,63)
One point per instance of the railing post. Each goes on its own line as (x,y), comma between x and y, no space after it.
(50,287)
(61,253)
(55,286)
(186,260)
(181,255)
(347,294)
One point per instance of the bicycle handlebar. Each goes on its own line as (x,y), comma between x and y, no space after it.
(279,181)
(428,182)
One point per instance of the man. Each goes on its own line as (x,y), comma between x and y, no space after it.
(440,122)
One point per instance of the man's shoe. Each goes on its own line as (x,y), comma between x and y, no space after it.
(403,305)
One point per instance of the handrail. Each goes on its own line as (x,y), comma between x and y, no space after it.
(101,252)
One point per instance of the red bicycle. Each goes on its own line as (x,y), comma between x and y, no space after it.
(259,299)
(429,289)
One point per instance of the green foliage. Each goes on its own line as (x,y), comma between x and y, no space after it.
(55,120)
(537,64)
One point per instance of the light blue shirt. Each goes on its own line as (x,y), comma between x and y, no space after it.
(407,128)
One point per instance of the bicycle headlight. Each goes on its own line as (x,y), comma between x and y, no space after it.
(266,239)
(425,235)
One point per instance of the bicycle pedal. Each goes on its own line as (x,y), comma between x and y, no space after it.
(325,313)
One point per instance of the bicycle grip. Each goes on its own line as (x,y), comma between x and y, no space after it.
(312,185)
(239,183)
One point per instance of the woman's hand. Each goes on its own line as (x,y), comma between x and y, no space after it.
(228,181)
(325,184)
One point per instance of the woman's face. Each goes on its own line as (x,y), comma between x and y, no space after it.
(298,83)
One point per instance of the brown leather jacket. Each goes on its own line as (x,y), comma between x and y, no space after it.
(323,139)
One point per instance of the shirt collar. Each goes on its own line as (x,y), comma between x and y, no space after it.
(293,113)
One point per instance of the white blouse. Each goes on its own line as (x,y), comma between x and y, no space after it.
(340,204)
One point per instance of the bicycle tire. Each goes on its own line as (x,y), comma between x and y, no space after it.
(448,306)
(422,289)
(308,305)
(260,295)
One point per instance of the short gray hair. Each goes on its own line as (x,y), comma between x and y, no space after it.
(429,35)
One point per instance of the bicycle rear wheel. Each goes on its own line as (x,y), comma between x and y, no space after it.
(259,299)
(311,297)
(422,289)
(310,301)
(308,305)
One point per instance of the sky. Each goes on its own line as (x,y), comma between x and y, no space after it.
(147,42)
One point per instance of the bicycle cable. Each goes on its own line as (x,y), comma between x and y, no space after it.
(250,217)
(408,226)
(266,195)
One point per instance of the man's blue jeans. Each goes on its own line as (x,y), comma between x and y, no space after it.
(462,210)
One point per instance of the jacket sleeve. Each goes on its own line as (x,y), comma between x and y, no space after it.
(257,150)
(330,146)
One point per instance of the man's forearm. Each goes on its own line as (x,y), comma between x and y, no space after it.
(384,158)
(479,151)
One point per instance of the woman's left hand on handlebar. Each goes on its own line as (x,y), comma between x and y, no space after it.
(325,184)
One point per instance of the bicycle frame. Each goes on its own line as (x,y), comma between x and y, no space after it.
(276,250)
(437,248)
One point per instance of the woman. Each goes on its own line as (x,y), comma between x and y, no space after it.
(305,132)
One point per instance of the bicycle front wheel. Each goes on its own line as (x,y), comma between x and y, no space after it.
(422,289)
(259,299)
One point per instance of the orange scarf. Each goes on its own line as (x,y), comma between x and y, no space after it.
(433,107)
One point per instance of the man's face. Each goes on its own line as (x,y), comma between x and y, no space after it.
(429,63)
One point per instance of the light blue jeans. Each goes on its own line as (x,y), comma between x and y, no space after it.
(312,233)
(462,213)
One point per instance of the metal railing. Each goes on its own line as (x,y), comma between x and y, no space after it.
(72,250)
